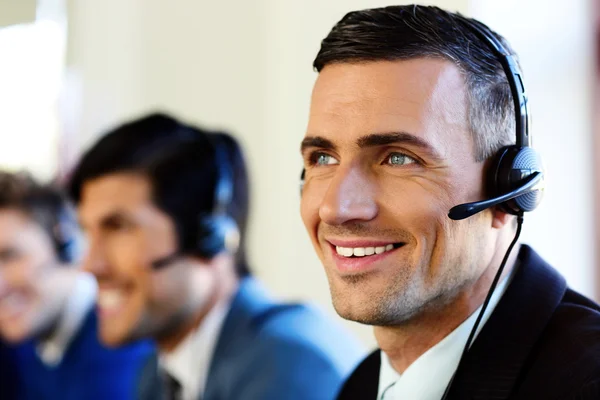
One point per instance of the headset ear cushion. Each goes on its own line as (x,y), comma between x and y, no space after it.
(508,170)
(527,162)
(217,233)
(65,237)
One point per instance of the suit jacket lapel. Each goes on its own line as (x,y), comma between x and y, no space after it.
(492,366)
(364,381)
(149,383)
(249,302)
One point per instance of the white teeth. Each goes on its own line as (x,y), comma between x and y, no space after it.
(344,251)
(359,252)
(362,251)
(110,298)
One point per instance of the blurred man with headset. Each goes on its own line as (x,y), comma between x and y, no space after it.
(49,346)
(164,206)
(415,111)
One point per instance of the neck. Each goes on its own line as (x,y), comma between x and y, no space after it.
(405,343)
(224,287)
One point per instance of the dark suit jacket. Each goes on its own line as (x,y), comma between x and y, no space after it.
(541,342)
(271,351)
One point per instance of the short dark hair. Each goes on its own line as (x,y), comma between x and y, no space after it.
(412,31)
(46,205)
(179,161)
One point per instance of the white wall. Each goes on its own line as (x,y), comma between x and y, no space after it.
(16,12)
(247,66)
(32,52)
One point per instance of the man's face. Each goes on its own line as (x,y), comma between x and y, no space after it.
(30,301)
(125,233)
(387,153)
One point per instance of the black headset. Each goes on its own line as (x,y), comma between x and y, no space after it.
(216,230)
(64,235)
(515,175)
(54,213)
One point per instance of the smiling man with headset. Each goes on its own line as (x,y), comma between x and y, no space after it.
(164,207)
(49,347)
(416,110)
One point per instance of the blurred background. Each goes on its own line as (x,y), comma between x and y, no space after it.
(69,70)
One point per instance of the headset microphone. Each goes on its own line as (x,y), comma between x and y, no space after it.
(467,210)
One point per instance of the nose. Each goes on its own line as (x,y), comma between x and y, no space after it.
(95,258)
(349,197)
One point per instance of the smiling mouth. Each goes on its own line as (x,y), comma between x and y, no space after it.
(111,300)
(359,252)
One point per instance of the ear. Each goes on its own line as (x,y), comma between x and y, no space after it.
(500,218)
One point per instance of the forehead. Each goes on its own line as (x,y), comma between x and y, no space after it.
(425,97)
(123,192)
(16,225)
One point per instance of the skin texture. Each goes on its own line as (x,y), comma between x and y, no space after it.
(387,153)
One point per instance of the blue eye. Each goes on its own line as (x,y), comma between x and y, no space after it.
(323,159)
(399,159)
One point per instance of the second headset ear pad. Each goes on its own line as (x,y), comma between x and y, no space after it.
(509,170)
(66,236)
(217,233)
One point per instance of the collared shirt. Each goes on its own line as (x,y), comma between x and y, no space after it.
(78,304)
(427,377)
(189,362)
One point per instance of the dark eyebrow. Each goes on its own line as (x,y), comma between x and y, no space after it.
(383,139)
(375,139)
(109,221)
(316,141)
(115,218)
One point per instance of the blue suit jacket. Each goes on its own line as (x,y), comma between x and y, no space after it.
(270,351)
(87,371)
(541,342)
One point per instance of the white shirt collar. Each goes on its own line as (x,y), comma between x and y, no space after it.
(189,362)
(427,377)
(78,304)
